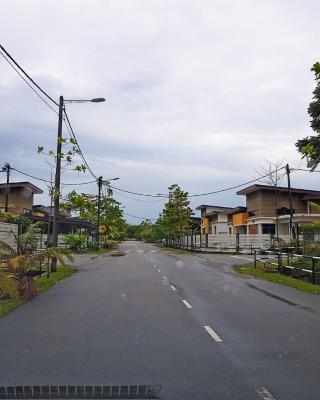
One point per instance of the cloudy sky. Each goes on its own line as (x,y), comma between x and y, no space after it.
(198,93)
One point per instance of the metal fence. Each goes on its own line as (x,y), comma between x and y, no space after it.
(303,267)
(221,243)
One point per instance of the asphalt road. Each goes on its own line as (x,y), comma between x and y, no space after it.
(185,322)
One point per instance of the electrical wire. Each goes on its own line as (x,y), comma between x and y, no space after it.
(80,151)
(47,181)
(30,86)
(139,194)
(27,75)
(200,194)
(142,218)
(305,170)
(132,198)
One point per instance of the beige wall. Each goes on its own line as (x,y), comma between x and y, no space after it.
(18,200)
(266,203)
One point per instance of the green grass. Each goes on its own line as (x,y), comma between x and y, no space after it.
(276,277)
(92,251)
(7,305)
(173,250)
(43,283)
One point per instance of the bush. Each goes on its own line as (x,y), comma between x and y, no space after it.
(109,244)
(74,240)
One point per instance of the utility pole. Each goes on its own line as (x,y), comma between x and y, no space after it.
(292,231)
(99,209)
(56,192)
(7,169)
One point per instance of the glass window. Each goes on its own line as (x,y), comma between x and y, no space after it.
(268,229)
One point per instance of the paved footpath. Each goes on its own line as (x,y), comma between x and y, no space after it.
(188,323)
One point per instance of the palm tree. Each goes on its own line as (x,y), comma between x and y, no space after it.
(18,265)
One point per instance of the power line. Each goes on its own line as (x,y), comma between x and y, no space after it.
(80,151)
(236,186)
(138,194)
(27,75)
(142,218)
(132,198)
(200,194)
(31,87)
(47,181)
(305,170)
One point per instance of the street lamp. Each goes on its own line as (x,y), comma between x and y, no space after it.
(62,102)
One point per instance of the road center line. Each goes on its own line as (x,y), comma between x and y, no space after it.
(265,394)
(188,305)
(212,333)
(173,288)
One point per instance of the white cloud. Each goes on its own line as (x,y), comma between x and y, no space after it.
(197,92)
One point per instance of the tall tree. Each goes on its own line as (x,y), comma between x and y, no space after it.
(176,215)
(111,213)
(309,146)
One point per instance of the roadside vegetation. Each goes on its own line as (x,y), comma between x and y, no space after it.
(276,277)
(21,266)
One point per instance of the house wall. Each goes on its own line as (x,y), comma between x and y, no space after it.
(19,199)
(239,219)
(264,204)
(219,228)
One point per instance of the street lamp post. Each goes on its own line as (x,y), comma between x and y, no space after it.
(56,206)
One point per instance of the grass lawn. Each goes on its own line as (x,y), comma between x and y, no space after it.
(43,283)
(249,269)
(173,250)
(92,251)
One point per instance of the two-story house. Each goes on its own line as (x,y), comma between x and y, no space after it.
(20,197)
(268,209)
(214,219)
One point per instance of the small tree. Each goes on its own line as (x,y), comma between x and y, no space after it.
(176,215)
(309,146)
(271,175)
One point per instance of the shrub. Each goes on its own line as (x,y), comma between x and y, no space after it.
(74,240)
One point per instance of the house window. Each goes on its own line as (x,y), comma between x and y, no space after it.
(268,229)
(26,211)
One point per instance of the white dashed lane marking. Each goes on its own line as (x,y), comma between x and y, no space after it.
(188,305)
(173,288)
(158,270)
(212,333)
(265,394)
(164,277)
(155,266)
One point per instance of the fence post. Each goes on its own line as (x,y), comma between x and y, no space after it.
(313,272)
(255,258)
(237,242)
(207,241)
(280,262)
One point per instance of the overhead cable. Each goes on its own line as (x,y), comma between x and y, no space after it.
(27,75)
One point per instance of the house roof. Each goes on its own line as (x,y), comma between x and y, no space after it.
(255,188)
(236,210)
(26,185)
(218,208)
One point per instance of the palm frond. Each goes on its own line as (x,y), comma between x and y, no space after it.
(9,286)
